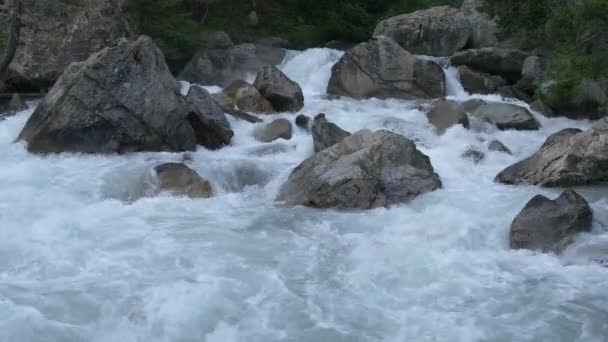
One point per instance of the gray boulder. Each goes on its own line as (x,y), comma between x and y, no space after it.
(284,94)
(12,106)
(122,99)
(181,180)
(247,97)
(229,107)
(476,82)
(567,158)
(445,114)
(278,129)
(506,63)
(498,146)
(55,34)
(588,100)
(437,31)
(221,65)
(365,170)
(381,68)
(483,28)
(541,107)
(210,125)
(549,225)
(506,116)
(326,134)
(303,121)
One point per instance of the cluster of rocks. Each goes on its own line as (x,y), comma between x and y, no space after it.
(114,94)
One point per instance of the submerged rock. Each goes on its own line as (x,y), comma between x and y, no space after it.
(247,97)
(122,99)
(278,129)
(567,158)
(381,68)
(497,146)
(473,154)
(506,63)
(207,118)
(437,31)
(506,116)
(365,170)
(445,114)
(181,180)
(548,225)
(55,34)
(325,133)
(284,94)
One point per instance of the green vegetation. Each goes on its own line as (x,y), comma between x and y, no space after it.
(176,25)
(574,34)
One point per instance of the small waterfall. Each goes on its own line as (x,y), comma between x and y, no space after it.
(453,85)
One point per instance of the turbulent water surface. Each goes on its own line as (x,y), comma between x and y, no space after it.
(80,260)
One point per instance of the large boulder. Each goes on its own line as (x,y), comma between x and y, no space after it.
(122,99)
(284,94)
(587,100)
(567,158)
(506,116)
(365,170)
(247,97)
(476,82)
(208,120)
(445,114)
(278,129)
(549,225)
(180,180)
(326,134)
(483,28)
(506,63)
(437,31)
(381,68)
(55,34)
(219,62)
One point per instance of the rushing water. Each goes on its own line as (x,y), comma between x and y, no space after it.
(81,261)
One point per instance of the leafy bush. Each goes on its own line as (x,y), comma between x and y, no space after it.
(574,34)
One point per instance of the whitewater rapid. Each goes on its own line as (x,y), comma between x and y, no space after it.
(80,260)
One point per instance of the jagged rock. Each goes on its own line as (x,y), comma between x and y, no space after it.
(506,63)
(326,134)
(381,68)
(208,120)
(181,180)
(122,99)
(549,225)
(247,97)
(365,170)
(476,82)
(473,154)
(506,116)
(437,31)
(497,146)
(567,158)
(284,94)
(278,129)
(55,34)
(483,27)
(223,64)
(445,114)
(303,122)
